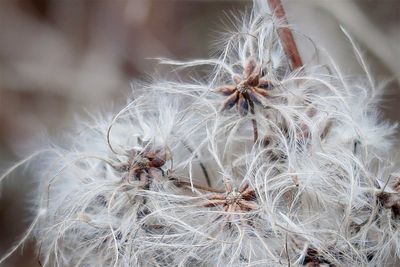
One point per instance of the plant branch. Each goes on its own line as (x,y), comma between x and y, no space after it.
(179,182)
(202,166)
(253,121)
(285,35)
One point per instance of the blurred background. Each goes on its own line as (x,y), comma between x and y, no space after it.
(60,58)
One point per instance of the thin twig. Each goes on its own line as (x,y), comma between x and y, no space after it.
(253,121)
(285,35)
(180,182)
(202,166)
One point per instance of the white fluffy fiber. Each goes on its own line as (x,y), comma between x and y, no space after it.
(325,187)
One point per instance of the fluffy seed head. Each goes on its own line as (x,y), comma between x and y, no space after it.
(170,180)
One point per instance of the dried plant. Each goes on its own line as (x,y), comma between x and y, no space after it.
(249,88)
(171,180)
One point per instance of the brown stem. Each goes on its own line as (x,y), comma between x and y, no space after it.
(197,186)
(285,35)
(253,121)
(203,168)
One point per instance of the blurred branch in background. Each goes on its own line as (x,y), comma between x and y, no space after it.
(375,26)
(377,32)
(61,57)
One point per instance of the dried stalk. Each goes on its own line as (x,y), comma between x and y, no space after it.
(286,36)
(253,121)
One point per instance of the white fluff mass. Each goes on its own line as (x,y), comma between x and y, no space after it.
(174,180)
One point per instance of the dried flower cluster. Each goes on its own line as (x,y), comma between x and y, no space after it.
(178,178)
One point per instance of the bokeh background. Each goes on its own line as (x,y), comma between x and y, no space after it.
(60,58)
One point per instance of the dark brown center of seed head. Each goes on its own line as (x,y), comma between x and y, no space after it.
(242,87)
(141,162)
(232,197)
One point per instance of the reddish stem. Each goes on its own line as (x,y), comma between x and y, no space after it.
(285,35)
